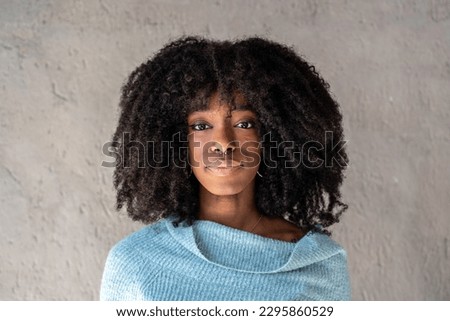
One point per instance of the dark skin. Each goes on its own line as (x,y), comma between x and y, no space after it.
(225,161)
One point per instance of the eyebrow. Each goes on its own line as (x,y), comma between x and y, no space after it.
(244,107)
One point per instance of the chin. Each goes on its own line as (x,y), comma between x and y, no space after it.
(225,187)
(224,191)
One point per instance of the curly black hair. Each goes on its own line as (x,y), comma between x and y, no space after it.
(292,103)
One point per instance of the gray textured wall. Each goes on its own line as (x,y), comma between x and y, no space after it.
(63,62)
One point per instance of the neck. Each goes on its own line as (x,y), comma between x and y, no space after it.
(238,211)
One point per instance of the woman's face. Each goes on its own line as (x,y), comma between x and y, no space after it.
(224,147)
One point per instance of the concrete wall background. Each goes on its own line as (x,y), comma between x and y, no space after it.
(62,65)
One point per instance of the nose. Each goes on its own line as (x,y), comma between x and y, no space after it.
(216,148)
(223,141)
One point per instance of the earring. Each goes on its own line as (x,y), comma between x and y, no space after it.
(259,174)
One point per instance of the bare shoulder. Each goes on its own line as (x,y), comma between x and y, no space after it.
(280,229)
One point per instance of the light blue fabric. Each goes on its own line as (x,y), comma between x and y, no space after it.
(210,261)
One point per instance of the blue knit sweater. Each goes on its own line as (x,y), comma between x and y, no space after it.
(211,261)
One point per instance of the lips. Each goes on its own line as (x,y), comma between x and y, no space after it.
(223,170)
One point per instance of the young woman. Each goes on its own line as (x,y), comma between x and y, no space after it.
(233,154)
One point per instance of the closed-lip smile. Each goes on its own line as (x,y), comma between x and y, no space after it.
(223,170)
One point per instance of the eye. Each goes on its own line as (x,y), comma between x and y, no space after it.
(199,126)
(246,124)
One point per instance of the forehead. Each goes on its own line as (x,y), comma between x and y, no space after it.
(221,112)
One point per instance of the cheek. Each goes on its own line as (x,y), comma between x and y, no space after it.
(195,152)
(251,154)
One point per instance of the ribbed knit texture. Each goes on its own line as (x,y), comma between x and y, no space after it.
(211,261)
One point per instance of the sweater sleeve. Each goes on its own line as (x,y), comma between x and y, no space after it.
(327,280)
(342,280)
(337,287)
(118,279)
